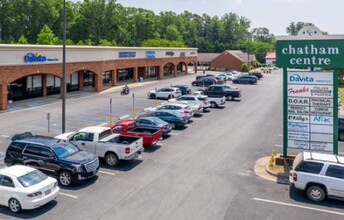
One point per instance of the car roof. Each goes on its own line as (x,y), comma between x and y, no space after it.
(323,157)
(37,139)
(177,104)
(16,170)
(94,129)
(169,111)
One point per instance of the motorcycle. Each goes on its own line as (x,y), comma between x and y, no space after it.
(125,90)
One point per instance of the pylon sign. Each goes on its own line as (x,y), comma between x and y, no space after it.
(310,98)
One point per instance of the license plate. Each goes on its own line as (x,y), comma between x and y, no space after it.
(47,192)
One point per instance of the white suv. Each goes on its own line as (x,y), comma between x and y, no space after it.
(165,93)
(320,175)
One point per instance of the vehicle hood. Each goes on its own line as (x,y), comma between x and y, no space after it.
(65,136)
(80,157)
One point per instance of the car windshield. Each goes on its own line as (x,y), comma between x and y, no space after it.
(65,150)
(32,178)
(202,99)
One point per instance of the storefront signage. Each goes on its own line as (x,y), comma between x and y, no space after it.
(37,57)
(302,53)
(310,110)
(127,54)
(182,54)
(169,53)
(150,54)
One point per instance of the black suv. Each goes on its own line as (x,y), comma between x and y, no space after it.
(63,160)
(341,128)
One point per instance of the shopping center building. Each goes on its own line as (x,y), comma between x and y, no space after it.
(28,71)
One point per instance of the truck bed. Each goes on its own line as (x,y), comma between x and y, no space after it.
(120,139)
(145,130)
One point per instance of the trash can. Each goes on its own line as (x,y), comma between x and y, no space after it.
(140,79)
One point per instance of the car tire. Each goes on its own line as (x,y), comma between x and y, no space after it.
(341,136)
(170,97)
(14,205)
(213,104)
(65,178)
(152,96)
(251,83)
(173,125)
(316,193)
(230,98)
(111,159)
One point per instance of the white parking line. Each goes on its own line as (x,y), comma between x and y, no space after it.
(298,206)
(171,133)
(5,136)
(280,135)
(108,173)
(103,124)
(278,145)
(68,195)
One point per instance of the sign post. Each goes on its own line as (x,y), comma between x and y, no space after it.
(310,109)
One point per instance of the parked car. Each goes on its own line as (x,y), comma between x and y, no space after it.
(154,122)
(183,88)
(259,75)
(197,99)
(205,81)
(228,91)
(196,108)
(176,119)
(179,107)
(129,127)
(320,175)
(49,155)
(24,187)
(165,93)
(105,144)
(246,79)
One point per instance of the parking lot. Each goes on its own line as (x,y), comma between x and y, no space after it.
(204,171)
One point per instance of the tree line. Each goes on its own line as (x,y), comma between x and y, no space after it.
(108,23)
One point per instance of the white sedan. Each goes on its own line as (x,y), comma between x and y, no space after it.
(25,187)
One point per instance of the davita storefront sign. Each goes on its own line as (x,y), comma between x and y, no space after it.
(310,111)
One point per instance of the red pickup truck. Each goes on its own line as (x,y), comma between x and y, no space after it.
(129,127)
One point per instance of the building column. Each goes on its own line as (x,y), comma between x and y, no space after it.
(195,67)
(135,76)
(98,82)
(44,85)
(160,72)
(174,71)
(3,96)
(186,69)
(81,80)
(114,77)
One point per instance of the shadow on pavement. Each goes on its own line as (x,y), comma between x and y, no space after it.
(124,165)
(151,148)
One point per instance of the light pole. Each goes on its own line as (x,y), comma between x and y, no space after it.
(63,84)
(248,50)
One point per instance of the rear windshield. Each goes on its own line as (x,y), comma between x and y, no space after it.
(32,178)
(105,134)
(310,167)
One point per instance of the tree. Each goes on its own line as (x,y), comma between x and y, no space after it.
(294,28)
(262,34)
(161,43)
(47,37)
(22,40)
(172,33)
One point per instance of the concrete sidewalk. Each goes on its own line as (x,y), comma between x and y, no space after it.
(275,173)
(39,101)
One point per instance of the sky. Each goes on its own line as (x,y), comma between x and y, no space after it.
(276,15)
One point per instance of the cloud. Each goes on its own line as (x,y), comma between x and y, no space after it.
(238,2)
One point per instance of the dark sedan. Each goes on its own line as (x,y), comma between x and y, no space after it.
(246,79)
(176,119)
(183,88)
(205,81)
(154,122)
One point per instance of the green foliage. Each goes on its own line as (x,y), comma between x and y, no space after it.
(244,67)
(47,37)
(103,42)
(22,40)
(162,43)
(294,28)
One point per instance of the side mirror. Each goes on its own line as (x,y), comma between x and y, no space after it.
(52,157)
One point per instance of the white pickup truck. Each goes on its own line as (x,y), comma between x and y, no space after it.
(102,142)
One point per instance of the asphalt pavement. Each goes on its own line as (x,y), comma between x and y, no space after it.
(205,171)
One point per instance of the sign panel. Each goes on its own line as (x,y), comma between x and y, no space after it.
(310,110)
(305,53)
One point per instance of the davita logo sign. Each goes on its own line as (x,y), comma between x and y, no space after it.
(298,78)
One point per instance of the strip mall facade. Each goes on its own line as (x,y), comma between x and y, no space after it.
(28,71)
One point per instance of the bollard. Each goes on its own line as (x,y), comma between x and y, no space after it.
(272,158)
